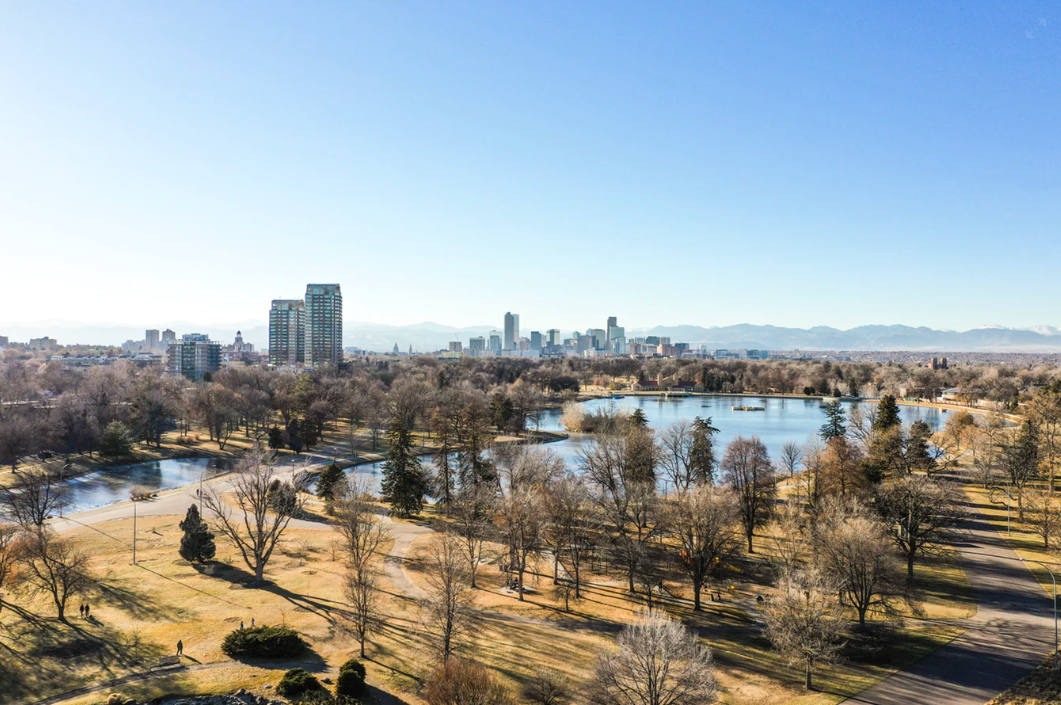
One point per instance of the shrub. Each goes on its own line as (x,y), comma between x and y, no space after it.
(465,683)
(115,699)
(297,682)
(263,642)
(351,680)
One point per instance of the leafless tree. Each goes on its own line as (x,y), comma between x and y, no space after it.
(628,502)
(854,547)
(10,554)
(38,496)
(54,566)
(802,621)
(521,520)
(791,455)
(265,505)
(657,662)
(447,608)
(676,455)
(566,499)
(747,470)
(363,533)
(473,511)
(924,512)
(19,436)
(1042,510)
(701,521)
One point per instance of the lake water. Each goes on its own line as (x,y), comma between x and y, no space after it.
(104,487)
(783,420)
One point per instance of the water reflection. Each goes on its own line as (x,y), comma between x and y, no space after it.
(103,487)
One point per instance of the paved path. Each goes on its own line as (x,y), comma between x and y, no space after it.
(1012,631)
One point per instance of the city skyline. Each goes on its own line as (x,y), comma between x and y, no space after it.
(798,165)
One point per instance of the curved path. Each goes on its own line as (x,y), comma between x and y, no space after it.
(1012,631)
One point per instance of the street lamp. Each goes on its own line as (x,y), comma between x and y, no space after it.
(1057,664)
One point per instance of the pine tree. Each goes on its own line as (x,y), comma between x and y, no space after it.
(197,544)
(276,438)
(887,414)
(115,441)
(639,419)
(404,483)
(702,455)
(328,481)
(834,426)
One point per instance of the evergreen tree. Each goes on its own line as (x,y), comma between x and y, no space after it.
(276,438)
(197,544)
(702,455)
(308,434)
(503,409)
(834,426)
(918,454)
(404,483)
(294,436)
(115,441)
(887,414)
(328,481)
(639,419)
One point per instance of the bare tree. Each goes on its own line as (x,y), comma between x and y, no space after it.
(473,510)
(791,456)
(627,501)
(565,501)
(1043,513)
(363,533)
(747,470)
(520,517)
(657,662)
(54,566)
(447,608)
(802,621)
(702,521)
(676,454)
(38,497)
(855,549)
(924,512)
(265,505)
(10,554)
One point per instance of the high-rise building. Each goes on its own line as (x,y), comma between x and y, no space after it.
(612,323)
(553,337)
(477,344)
(511,331)
(535,340)
(599,338)
(495,342)
(324,324)
(152,339)
(287,332)
(168,337)
(455,346)
(194,356)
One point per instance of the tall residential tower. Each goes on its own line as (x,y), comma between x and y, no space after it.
(287,332)
(324,324)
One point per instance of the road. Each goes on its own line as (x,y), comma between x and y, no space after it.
(1012,631)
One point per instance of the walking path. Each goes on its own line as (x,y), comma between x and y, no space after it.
(1012,632)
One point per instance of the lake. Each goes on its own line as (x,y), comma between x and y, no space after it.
(112,485)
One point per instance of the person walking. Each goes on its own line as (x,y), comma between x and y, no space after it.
(241,624)
(180,647)
(252,622)
(87,608)
(81,610)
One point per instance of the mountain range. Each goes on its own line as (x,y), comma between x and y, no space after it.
(430,336)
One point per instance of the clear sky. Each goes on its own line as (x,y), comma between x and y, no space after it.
(793,163)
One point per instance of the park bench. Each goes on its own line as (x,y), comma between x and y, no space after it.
(168,662)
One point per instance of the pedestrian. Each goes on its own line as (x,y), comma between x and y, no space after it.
(87,608)
(180,647)
(81,610)
(252,622)
(241,624)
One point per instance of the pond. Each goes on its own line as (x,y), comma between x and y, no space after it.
(782,420)
(112,485)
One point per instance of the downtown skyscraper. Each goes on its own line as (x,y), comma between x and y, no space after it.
(287,332)
(324,324)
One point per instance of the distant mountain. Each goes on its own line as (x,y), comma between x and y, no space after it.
(429,336)
(883,338)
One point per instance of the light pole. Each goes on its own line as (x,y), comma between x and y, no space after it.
(134,530)
(1057,664)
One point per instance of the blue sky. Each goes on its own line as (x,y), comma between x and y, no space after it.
(711,163)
